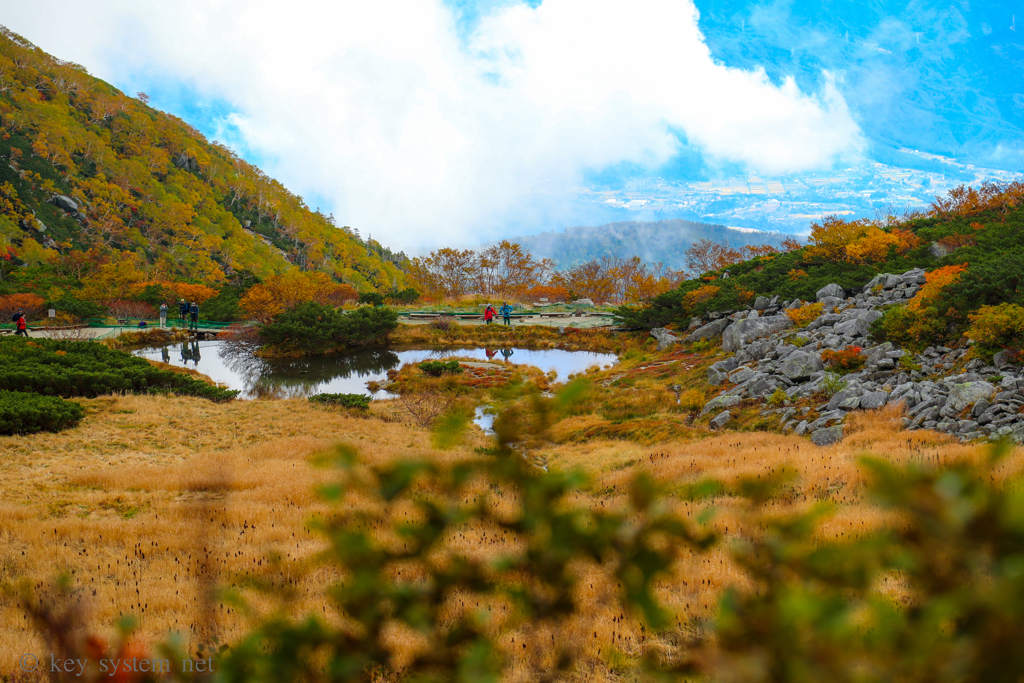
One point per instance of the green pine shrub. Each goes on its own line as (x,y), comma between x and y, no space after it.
(23,413)
(436,368)
(360,401)
(88,369)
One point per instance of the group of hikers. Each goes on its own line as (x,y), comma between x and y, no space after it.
(505,311)
(188,313)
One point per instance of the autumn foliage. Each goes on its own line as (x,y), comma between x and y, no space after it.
(803,315)
(836,240)
(843,360)
(281,293)
(31,304)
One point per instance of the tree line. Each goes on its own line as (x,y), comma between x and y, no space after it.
(507,270)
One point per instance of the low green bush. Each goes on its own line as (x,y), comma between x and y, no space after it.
(359,401)
(436,368)
(372,298)
(22,413)
(311,327)
(85,368)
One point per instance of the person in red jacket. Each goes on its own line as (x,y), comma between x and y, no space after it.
(22,326)
(489,314)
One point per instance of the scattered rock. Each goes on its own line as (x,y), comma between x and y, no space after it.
(727,401)
(583,302)
(968,393)
(709,331)
(737,335)
(664,337)
(827,436)
(66,204)
(800,365)
(832,290)
(721,419)
(873,400)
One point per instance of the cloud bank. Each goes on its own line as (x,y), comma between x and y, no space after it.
(425,134)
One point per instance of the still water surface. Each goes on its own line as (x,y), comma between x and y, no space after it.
(346,373)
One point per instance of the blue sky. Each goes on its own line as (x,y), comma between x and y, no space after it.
(428,123)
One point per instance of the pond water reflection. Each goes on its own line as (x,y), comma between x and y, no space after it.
(345,373)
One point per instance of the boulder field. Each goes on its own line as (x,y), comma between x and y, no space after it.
(980,401)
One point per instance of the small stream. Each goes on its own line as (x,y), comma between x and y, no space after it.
(346,373)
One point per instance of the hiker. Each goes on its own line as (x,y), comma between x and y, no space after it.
(506,312)
(163,314)
(143,324)
(22,325)
(194,313)
(182,311)
(506,353)
(489,314)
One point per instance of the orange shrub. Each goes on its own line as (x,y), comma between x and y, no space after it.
(802,316)
(32,304)
(549,292)
(844,360)
(701,295)
(796,274)
(745,295)
(342,294)
(956,241)
(935,281)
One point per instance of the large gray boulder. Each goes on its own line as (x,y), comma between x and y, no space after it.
(719,372)
(873,400)
(709,331)
(67,204)
(832,290)
(737,335)
(741,375)
(851,328)
(800,365)
(721,419)
(664,337)
(827,436)
(719,402)
(968,393)
(761,303)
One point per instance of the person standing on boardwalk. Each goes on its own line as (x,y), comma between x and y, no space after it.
(194,312)
(182,311)
(163,314)
(489,314)
(22,325)
(506,312)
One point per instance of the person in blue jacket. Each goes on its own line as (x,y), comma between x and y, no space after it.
(194,314)
(506,312)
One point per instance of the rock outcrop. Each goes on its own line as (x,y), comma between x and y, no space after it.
(981,401)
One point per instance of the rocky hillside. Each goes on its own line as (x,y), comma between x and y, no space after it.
(770,359)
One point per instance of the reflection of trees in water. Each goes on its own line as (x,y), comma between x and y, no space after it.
(298,377)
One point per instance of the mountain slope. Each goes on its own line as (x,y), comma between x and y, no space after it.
(655,241)
(86,167)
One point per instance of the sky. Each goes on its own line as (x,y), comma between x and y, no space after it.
(427,123)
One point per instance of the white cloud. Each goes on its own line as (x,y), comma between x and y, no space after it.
(423,139)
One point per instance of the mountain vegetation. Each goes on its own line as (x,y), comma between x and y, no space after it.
(102,196)
(971,241)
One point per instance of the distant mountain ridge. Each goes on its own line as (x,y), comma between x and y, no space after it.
(653,241)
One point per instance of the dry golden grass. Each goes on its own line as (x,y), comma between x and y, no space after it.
(151,500)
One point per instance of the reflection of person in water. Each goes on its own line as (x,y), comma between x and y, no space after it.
(196,356)
(506,353)
(491,353)
(165,354)
(186,353)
